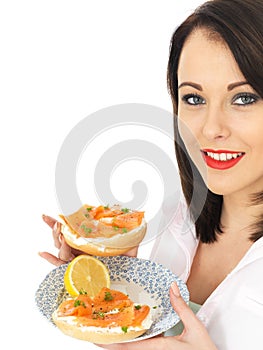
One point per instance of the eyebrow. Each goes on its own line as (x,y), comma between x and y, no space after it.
(194,85)
(199,87)
(237,84)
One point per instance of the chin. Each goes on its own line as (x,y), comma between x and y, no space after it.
(220,190)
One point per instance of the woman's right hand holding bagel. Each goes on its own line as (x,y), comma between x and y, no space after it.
(65,252)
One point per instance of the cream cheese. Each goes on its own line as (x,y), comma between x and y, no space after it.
(72,320)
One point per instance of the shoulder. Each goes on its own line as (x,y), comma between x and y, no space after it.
(176,242)
(175,209)
(176,217)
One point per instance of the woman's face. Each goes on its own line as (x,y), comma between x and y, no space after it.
(220,117)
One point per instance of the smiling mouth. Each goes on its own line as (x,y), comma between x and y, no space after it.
(224,156)
(221,160)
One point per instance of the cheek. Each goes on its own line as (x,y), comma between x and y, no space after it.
(189,137)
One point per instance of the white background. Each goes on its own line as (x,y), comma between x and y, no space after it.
(60,62)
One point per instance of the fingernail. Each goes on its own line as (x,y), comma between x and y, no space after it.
(43,216)
(55,227)
(175,289)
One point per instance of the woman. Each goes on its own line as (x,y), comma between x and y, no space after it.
(215,77)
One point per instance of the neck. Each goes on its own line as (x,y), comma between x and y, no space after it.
(239,214)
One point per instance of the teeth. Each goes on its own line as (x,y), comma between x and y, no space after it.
(223,156)
(216,156)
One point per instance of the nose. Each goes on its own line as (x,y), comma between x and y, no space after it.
(215,124)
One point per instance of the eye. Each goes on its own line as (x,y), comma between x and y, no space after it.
(245,99)
(193,99)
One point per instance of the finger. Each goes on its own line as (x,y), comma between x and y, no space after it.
(49,220)
(132,253)
(56,229)
(77,252)
(65,252)
(51,258)
(57,235)
(187,316)
(149,344)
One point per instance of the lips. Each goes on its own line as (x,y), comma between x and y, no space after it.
(222,159)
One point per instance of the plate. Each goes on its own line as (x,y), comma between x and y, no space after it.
(145,281)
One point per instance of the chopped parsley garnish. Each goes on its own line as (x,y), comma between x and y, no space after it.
(124,230)
(98,314)
(125,210)
(86,229)
(82,291)
(116,228)
(79,303)
(154,307)
(124,329)
(137,307)
(89,208)
(108,296)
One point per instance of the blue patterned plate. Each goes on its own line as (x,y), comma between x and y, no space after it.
(145,281)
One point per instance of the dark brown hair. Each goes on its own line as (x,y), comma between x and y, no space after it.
(239,23)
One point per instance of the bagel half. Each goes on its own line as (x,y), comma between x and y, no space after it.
(116,321)
(104,231)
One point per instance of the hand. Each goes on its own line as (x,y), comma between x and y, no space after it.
(193,337)
(66,253)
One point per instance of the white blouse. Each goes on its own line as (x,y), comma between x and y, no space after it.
(233,313)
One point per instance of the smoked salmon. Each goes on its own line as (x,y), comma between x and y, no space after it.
(109,308)
(92,222)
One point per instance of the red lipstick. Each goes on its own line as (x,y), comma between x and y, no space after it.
(221,159)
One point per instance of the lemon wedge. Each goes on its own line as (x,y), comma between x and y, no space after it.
(86,274)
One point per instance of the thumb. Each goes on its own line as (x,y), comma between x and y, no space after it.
(187,316)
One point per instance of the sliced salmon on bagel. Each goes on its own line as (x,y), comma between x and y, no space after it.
(108,317)
(100,230)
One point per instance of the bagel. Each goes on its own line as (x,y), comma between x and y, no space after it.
(109,317)
(104,231)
